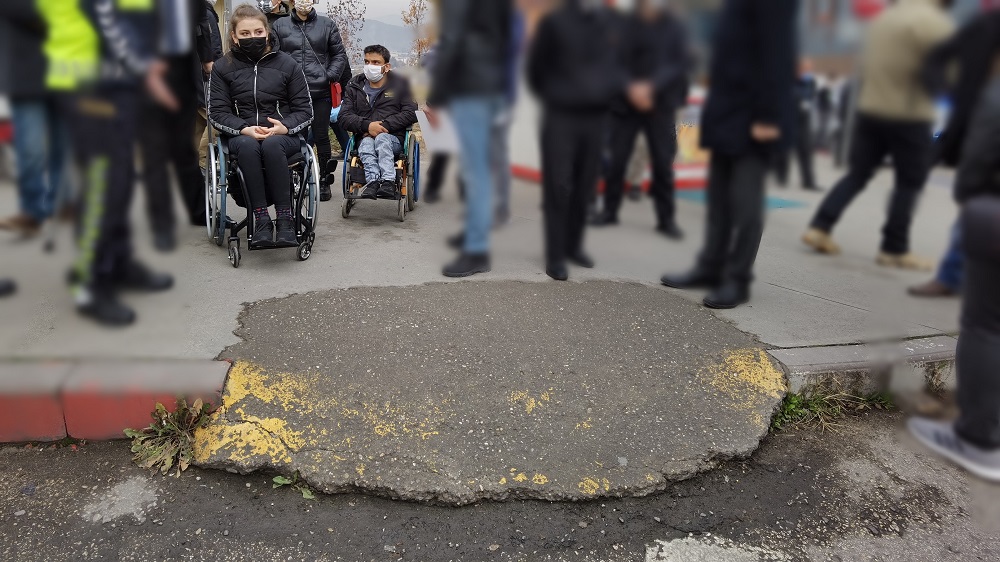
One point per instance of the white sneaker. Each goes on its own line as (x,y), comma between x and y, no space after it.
(942,439)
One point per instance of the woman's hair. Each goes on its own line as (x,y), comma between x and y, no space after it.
(245,12)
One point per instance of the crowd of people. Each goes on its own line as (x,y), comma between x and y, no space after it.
(157,74)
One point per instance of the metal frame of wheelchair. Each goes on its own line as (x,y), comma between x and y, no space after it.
(220,176)
(407,183)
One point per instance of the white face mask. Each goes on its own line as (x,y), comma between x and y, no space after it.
(373,72)
(303,6)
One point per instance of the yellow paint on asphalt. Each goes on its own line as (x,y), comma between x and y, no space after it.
(748,379)
(540,479)
(529,402)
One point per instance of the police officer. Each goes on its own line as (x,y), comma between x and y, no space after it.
(655,56)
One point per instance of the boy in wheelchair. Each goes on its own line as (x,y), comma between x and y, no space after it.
(378,107)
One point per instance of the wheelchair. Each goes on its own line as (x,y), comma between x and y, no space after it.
(407,176)
(223,179)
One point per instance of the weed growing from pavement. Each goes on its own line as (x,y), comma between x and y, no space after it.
(296,483)
(169,441)
(823,409)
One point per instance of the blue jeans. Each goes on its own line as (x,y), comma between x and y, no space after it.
(41,144)
(474,119)
(950,270)
(378,156)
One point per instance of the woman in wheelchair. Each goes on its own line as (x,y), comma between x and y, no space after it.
(260,102)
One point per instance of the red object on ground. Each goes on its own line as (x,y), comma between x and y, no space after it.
(695,182)
(30,409)
(867,9)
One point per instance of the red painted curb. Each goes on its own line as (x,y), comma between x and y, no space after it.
(530,174)
(30,409)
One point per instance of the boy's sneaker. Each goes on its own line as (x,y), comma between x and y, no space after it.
(370,191)
(942,439)
(285,235)
(387,190)
(263,234)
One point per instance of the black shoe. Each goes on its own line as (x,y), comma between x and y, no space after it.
(432,197)
(370,191)
(604,219)
(138,277)
(164,241)
(285,233)
(730,295)
(7,287)
(325,193)
(263,234)
(671,230)
(456,241)
(104,308)
(557,271)
(468,264)
(690,280)
(387,190)
(581,259)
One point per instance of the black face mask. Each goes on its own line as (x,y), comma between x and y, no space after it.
(254,47)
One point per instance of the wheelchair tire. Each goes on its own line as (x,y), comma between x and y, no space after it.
(234,253)
(401,209)
(345,209)
(413,153)
(211,188)
(305,251)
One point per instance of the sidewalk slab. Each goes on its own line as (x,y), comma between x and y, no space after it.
(30,409)
(101,399)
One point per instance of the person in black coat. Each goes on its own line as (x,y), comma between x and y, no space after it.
(209,28)
(807,98)
(260,102)
(378,107)
(656,56)
(314,41)
(573,68)
(749,114)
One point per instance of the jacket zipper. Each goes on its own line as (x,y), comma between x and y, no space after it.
(256,106)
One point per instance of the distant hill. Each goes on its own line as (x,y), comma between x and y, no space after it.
(396,38)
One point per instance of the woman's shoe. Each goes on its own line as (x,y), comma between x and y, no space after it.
(285,235)
(263,234)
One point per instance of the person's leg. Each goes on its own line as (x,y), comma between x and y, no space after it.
(950,271)
(624,129)
(719,222)
(60,192)
(369,159)
(557,187)
(586,167)
(321,137)
(181,151)
(804,150)
(868,151)
(910,146)
(661,133)
(203,140)
(780,165)
(435,176)
(978,353)
(154,128)
(500,164)
(746,204)
(387,146)
(341,135)
(29,121)
(248,155)
(275,152)
(473,117)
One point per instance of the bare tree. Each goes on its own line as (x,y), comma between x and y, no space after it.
(416,17)
(350,18)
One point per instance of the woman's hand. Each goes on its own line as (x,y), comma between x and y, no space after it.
(257,133)
(277,127)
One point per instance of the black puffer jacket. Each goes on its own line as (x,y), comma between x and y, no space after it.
(979,167)
(245,94)
(316,44)
(394,106)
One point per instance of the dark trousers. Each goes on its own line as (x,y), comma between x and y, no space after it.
(264,165)
(909,144)
(978,354)
(321,132)
(735,215)
(661,133)
(571,151)
(102,127)
(165,138)
(804,148)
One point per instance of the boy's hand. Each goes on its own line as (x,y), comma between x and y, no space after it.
(277,127)
(376,128)
(156,85)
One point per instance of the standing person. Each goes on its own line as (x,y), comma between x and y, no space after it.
(469,79)
(973,440)
(209,28)
(806,94)
(314,41)
(966,48)
(656,58)
(7,287)
(573,68)
(274,10)
(895,114)
(824,110)
(165,137)
(99,58)
(41,141)
(748,117)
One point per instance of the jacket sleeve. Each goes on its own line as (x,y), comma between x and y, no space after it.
(541,49)
(408,112)
(673,76)
(338,55)
(773,32)
(129,43)
(220,106)
(299,101)
(349,119)
(203,35)
(453,28)
(979,168)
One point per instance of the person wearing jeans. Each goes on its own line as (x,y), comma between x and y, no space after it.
(378,156)
(948,281)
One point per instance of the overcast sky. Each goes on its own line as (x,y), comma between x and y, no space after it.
(383,10)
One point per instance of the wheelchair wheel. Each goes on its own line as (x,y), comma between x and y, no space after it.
(401,209)
(212,211)
(413,153)
(345,209)
(234,253)
(305,250)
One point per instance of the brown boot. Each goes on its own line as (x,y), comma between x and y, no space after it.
(904,261)
(932,289)
(820,241)
(21,224)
